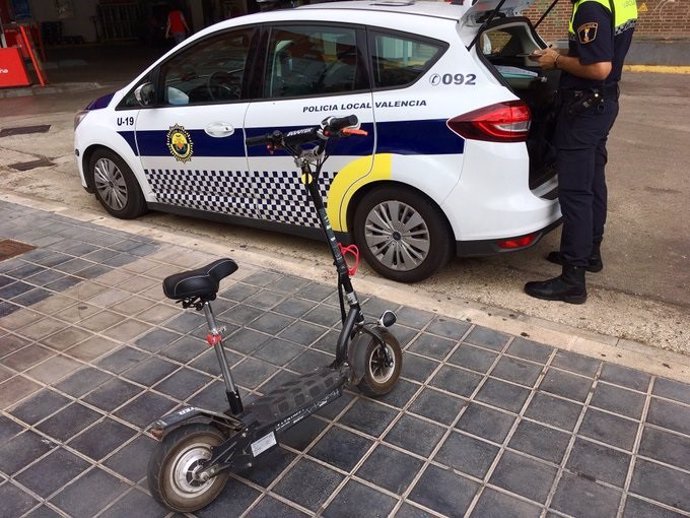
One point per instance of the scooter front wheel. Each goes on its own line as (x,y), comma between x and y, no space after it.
(172,468)
(380,376)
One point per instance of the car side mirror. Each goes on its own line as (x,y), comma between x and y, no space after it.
(144,94)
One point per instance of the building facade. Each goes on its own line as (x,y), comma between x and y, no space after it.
(658,19)
(67,22)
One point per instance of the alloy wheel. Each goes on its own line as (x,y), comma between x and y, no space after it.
(397,235)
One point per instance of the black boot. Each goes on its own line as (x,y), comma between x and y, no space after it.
(595,263)
(569,286)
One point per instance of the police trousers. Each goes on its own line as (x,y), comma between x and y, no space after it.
(582,128)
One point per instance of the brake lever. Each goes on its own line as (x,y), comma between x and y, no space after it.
(354,131)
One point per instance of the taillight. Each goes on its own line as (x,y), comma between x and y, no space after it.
(518,242)
(502,122)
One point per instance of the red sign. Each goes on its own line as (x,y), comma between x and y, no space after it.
(12,69)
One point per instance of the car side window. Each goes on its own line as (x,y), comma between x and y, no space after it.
(207,72)
(313,60)
(400,59)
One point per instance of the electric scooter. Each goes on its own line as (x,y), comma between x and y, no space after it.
(198,448)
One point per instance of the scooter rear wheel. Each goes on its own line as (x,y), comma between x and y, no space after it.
(380,378)
(173,464)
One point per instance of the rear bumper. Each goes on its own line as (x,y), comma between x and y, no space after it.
(492,246)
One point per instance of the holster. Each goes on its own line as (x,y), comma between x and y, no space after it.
(576,102)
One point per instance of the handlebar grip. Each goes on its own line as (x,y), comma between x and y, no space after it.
(256,141)
(338,123)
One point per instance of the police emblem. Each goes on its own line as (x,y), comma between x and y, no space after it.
(587,32)
(179,143)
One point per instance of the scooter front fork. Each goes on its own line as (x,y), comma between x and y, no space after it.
(388,318)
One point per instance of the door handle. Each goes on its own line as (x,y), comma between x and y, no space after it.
(219,129)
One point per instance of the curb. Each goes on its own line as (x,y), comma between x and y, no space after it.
(612,349)
(59,88)
(658,69)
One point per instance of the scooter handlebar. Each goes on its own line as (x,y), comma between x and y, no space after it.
(330,127)
(336,124)
(257,141)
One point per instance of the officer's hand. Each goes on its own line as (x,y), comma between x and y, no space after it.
(546,58)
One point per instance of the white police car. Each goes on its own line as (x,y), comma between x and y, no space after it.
(455,162)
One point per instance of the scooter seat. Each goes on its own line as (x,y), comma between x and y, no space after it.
(202,282)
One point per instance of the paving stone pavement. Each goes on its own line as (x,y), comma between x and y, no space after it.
(481,424)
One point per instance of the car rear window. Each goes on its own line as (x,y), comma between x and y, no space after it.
(400,59)
(507,41)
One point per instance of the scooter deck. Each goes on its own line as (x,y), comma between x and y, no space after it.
(273,412)
(282,403)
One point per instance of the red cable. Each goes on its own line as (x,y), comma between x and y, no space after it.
(350,249)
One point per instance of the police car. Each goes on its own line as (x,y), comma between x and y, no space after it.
(456,161)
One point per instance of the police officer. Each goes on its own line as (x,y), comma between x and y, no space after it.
(599,34)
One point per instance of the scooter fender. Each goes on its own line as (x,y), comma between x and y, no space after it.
(357,351)
(190,414)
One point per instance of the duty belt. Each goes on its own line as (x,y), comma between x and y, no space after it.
(611,91)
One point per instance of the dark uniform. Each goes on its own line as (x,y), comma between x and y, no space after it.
(583,128)
(599,31)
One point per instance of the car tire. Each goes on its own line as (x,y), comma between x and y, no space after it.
(401,234)
(117,189)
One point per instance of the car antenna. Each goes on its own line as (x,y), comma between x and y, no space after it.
(546,13)
(486,22)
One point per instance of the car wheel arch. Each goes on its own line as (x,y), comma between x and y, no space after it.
(401,232)
(125,182)
(363,191)
(86,161)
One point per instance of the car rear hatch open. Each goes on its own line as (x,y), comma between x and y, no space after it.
(484,10)
(503,42)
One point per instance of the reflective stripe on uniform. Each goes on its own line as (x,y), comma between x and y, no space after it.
(625,13)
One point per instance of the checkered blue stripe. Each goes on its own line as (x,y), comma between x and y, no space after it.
(277,196)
